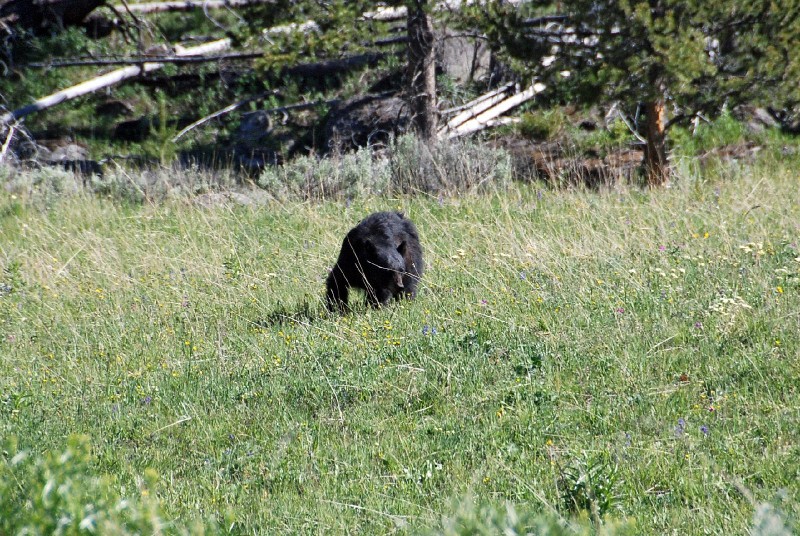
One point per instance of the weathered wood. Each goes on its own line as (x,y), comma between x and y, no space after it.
(188,5)
(456,109)
(486,118)
(106,80)
(477,107)
(9,137)
(301,27)
(388,14)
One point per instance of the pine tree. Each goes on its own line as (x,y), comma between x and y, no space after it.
(685,57)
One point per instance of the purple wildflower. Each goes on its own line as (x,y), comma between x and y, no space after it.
(681,427)
(704,429)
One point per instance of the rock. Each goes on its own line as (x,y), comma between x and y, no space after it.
(464,59)
(69,151)
(254,130)
(365,121)
(755,119)
(67,154)
(256,144)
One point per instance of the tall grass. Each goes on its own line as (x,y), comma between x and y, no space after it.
(618,355)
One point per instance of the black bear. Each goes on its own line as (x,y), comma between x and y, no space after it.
(380,255)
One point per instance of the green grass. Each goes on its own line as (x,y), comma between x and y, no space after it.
(645,341)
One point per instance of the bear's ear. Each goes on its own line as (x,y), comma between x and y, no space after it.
(401,249)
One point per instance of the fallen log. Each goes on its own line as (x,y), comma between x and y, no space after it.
(388,14)
(9,137)
(477,107)
(188,5)
(487,117)
(106,80)
(473,102)
(301,27)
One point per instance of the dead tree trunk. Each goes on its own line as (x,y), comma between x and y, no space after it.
(104,81)
(187,5)
(421,70)
(655,154)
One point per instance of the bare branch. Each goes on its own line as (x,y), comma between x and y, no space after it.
(236,105)
(150,59)
(106,80)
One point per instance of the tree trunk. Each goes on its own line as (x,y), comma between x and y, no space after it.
(655,154)
(421,70)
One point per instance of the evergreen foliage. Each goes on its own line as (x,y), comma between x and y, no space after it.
(686,57)
(697,55)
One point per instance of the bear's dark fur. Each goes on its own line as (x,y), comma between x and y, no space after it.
(380,255)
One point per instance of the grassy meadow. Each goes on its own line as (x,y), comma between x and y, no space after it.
(622,355)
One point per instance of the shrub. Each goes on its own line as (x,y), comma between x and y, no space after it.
(590,484)
(408,166)
(724,130)
(340,176)
(57,493)
(458,165)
